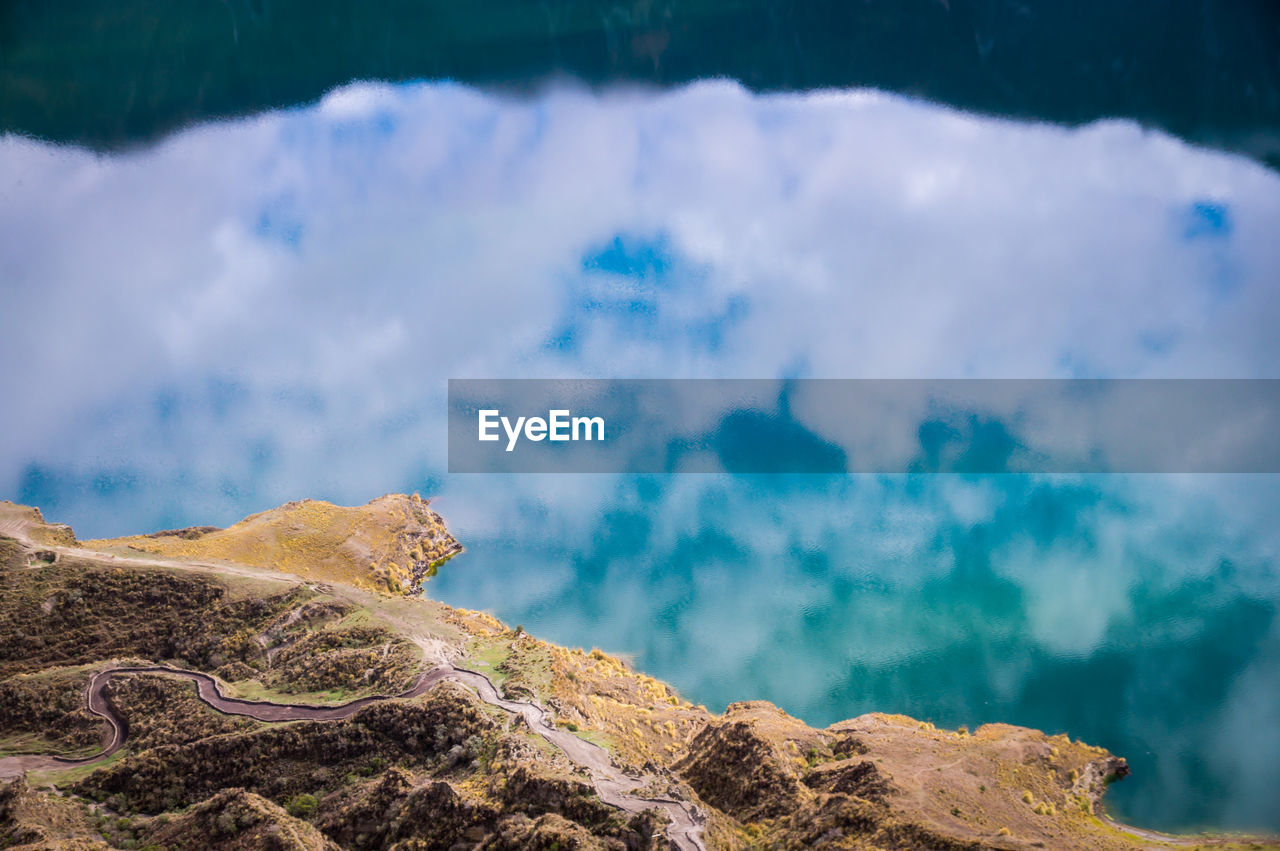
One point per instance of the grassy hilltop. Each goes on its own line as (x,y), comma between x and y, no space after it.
(309,604)
(392,544)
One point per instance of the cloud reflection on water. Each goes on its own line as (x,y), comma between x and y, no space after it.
(265,309)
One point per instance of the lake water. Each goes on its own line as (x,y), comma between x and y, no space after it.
(1138,612)
(267,307)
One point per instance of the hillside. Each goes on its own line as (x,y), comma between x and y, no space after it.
(343,712)
(393,543)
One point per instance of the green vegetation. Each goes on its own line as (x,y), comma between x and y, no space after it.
(487,654)
(76,612)
(67,778)
(45,713)
(595,737)
(303,806)
(161,710)
(279,761)
(353,659)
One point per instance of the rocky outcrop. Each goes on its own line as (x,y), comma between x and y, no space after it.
(1093,780)
(859,779)
(739,763)
(190,533)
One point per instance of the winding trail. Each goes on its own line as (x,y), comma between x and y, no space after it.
(613,786)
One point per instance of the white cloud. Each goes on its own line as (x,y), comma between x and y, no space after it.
(369,247)
(269,308)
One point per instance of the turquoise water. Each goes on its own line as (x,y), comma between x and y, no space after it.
(264,309)
(1136,613)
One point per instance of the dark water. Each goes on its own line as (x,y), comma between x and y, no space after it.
(205,323)
(114,75)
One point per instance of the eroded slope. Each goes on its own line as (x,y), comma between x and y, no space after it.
(449,768)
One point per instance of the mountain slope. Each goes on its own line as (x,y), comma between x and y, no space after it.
(498,747)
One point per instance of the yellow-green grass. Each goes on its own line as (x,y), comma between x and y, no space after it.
(71,775)
(256,691)
(17,744)
(487,655)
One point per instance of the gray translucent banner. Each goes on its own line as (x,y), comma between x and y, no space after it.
(864,426)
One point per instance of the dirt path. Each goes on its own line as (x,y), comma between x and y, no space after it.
(210,693)
(612,785)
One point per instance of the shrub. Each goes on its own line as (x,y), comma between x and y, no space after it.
(302,806)
(225,824)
